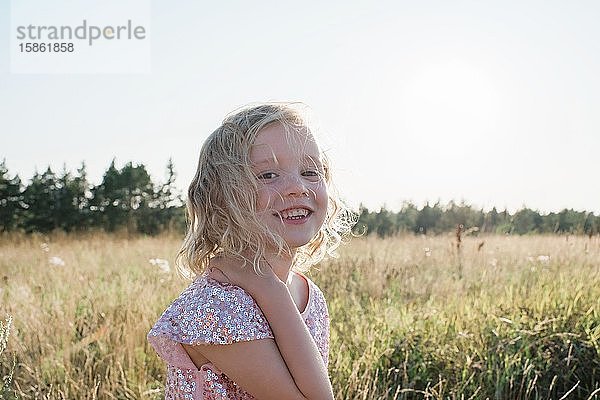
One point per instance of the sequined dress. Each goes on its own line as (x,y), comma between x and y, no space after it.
(209,312)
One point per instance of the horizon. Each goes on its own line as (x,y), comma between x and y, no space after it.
(419,205)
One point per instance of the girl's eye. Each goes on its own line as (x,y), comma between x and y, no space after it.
(267,175)
(313,174)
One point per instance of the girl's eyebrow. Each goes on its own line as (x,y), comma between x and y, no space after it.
(307,158)
(265,161)
(311,159)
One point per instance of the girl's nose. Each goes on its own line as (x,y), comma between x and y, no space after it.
(295,186)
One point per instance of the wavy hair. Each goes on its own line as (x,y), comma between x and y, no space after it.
(221,204)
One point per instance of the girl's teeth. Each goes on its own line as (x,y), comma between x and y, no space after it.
(297,213)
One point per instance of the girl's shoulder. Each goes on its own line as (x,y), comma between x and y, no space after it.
(208,312)
(313,288)
(317,305)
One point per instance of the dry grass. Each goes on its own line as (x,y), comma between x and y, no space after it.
(404,324)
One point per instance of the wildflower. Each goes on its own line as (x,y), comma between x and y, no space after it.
(543,259)
(427,251)
(45,247)
(163,265)
(56,261)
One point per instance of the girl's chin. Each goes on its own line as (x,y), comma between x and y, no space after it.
(293,244)
(296,243)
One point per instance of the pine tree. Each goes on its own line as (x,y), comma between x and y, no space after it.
(122,197)
(41,203)
(71,200)
(11,199)
(165,211)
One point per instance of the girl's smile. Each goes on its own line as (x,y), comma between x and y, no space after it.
(294,215)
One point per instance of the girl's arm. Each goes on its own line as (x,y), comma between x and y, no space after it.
(289,367)
(293,339)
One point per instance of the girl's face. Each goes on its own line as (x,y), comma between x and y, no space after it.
(292,194)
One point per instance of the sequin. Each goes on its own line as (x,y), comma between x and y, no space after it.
(210,312)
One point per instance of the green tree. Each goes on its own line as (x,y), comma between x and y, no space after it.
(571,221)
(550,223)
(72,192)
(40,203)
(121,197)
(428,218)
(406,218)
(457,214)
(526,221)
(11,199)
(365,222)
(384,225)
(164,210)
(80,187)
(589,224)
(490,221)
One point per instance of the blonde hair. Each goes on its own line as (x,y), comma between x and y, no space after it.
(221,204)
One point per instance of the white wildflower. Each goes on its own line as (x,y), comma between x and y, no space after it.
(543,259)
(45,247)
(163,265)
(427,251)
(56,261)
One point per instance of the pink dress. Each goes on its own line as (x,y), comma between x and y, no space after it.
(214,313)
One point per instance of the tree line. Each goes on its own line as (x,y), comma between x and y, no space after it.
(128,199)
(441,218)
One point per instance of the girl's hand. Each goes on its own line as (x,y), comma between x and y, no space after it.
(244,276)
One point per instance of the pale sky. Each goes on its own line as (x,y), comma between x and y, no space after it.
(496,103)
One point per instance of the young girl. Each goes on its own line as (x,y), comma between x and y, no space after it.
(261,209)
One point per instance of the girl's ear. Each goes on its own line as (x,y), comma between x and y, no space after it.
(326,171)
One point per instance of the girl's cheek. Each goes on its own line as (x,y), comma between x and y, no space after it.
(320,189)
(263,199)
(269,197)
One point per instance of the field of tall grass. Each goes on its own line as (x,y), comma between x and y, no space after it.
(413,317)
